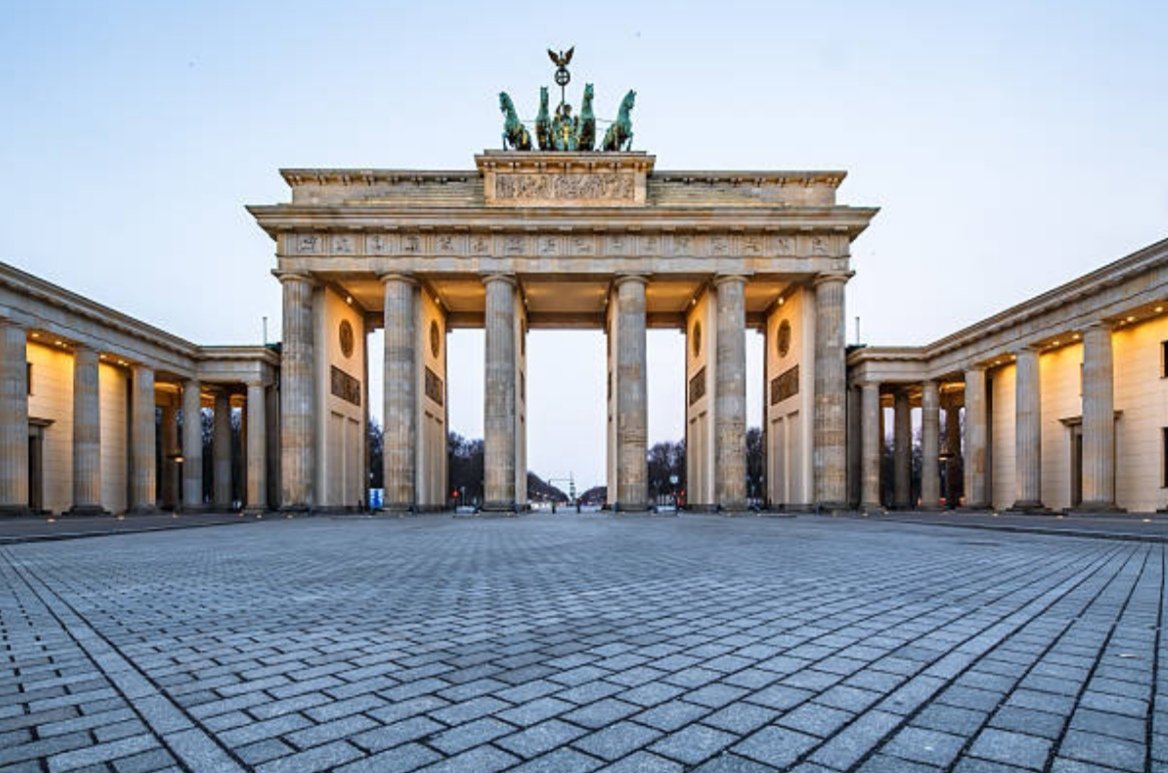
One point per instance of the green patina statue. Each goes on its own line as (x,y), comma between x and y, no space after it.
(515,133)
(586,138)
(565,128)
(564,131)
(621,132)
(543,122)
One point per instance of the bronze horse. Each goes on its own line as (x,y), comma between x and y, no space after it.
(515,133)
(621,132)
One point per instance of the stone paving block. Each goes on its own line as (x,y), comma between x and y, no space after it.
(693,744)
(816,719)
(930,747)
(651,694)
(257,731)
(315,735)
(775,746)
(1102,750)
(644,762)
(1006,747)
(538,739)
(601,713)
(740,718)
(410,756)
(145,762)
(482,758)
(732,763)
(779,697)
(264,751)
(464,736)
(671,715)
(617,740)
(327,757)
(561,761)
(102,752)
(1117,725)
(460,713)
(534,712)
(397,711)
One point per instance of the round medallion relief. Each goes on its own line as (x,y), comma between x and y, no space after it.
(697,339)
(346,333)
(784,338)
(435,338)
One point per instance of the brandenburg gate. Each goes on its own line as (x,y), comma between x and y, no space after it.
(561,237)
(561,240)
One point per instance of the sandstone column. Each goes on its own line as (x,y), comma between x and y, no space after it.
(953,451)
(1027,431)
(976,485)
(13,419)
(499,407)
(221,451)
(830,384)
(297,396)
(901,451)
(870,434)
(930,442)
(86,433)
(168,430)
(257,443)
(1098,420)
(192,446)
(143,485)
(730,395)
(632,403)
(400,438)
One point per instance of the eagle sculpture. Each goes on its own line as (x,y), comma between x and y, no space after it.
(561,59)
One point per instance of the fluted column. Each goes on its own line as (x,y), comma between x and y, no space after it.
(499,407)
(143,483)
(221,451)
(400,439)
(953,452)
(192,446)
(730,395)
(632,416)
(13,419)
(257,444)
(930,445)
(1098,420)
(901,450)
(86,433)
(297,396)
(830,384)
(976,434)
(1027,431)
(870,437)
(168,434)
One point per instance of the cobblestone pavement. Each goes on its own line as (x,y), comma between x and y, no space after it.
(571,643)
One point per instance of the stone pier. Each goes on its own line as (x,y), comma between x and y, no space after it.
(499,395)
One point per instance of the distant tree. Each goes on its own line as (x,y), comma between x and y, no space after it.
(465,466)
(594,496)
(666,460)
(540,490)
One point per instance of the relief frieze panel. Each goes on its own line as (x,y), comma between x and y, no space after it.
(458,243)
(565,188)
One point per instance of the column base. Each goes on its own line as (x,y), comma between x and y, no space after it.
(11,511)
(832,508)
(142,510)
(1097,507)
(254,511)
(1029,507)
(631,507)
(83,510)
(872,508)
(500,507)
(733,507)
(974,507)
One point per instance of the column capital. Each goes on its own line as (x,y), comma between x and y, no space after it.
(1099,325)
(508,278)
(621,279)
(294,276)
(832,276)
(397,276)
(721,279)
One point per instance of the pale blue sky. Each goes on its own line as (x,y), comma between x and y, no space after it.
(1011,146)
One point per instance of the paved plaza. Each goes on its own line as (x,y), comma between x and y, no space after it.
(580,642)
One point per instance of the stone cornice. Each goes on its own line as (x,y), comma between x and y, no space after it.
(39,304)
(1108,292)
